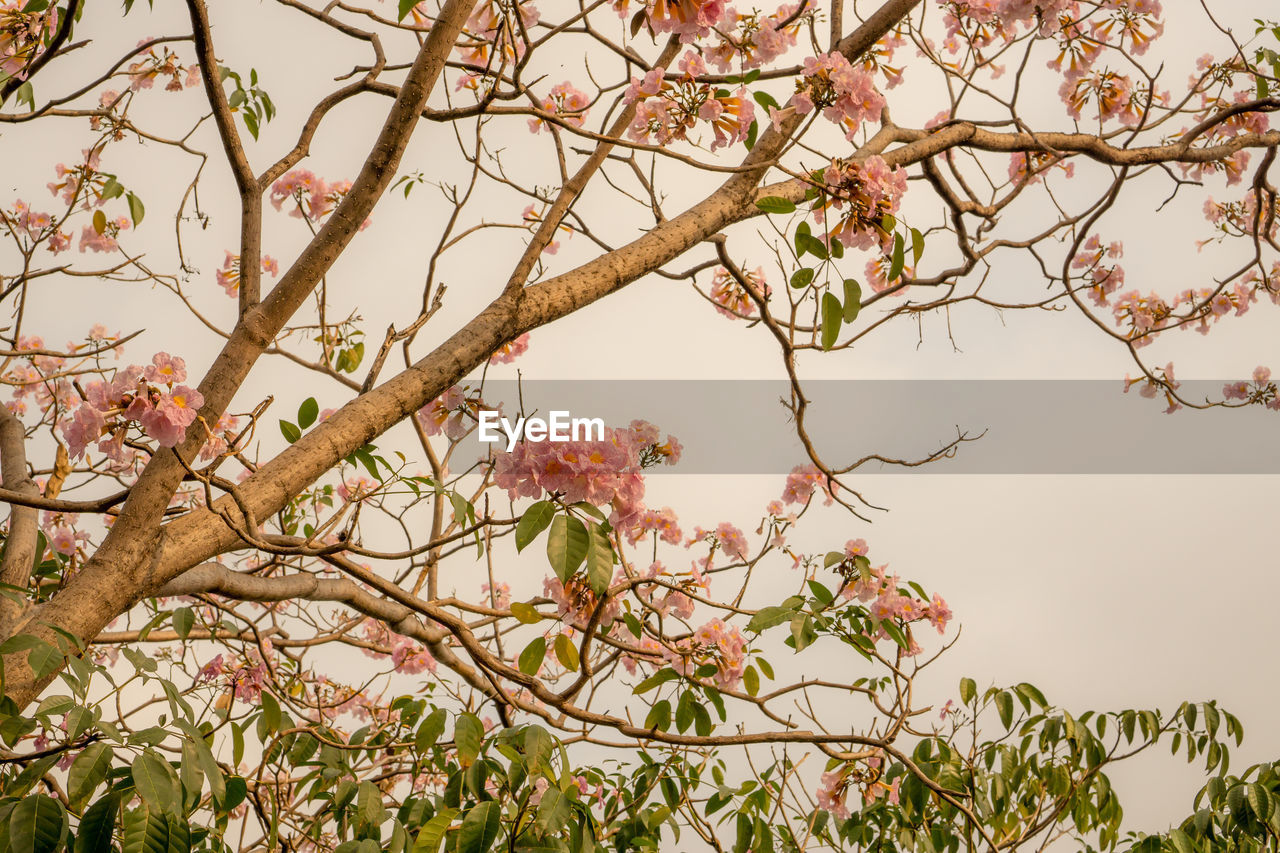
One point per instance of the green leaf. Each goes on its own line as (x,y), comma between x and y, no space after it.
(155,780)
(659,716)
(1181,843)
(87,772)
(480,828)
(308,412)
(917,246)
(430,730)
(968,689)
(97,824)
(802,231)
(237,789)
(767,617)
(468,733)
(751,680)
(405,7)
(567,545)
(433,832)
(553,810)
(852,300)
(136,209)
(37,824)
(290,432)
(26,93)
(660,677)
(531,658)
(832,316)
(599,559)
(802,631)
(1004,705)
(535,520)
(802,277)
(526,613)
(183,620)
(813,245)
(764,99)
(566,653)
(111,189)
(775,204)
(753,130)
(899,259)
(1032,693)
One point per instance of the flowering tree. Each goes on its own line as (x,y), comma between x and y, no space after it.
(217,639)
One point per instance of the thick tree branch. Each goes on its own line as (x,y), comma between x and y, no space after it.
(24,522)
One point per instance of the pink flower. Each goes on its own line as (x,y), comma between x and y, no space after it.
(732,541)
(167,423)
(511,350)
(801,483)
(166,369)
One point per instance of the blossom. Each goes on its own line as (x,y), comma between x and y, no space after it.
(751,40)
(451,413)
(565,101)
(801,483)
(167,423)
(732,541)
(665,110)
(511,350)
(167,369)
(832,792)
(716,643)
(865,193)
(601,473)
(732,300)
(845,94)
(662,521)
(690,19)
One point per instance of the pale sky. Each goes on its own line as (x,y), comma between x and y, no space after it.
(1108,592)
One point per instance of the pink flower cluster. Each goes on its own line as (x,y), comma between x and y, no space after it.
(665,600)
(751,40)
(244,678)
(690,19)
(666,111)
(408,656)
(492,27)
(1262,391)
(452,413)
(732,300)
(22,34)
(29,225)
(717,643)
(511,350)
(152,66)
(845,94)
(565,101)
(151,397)
(61,533)
(598,472)
(870,191)
(801,484)
(576,601)
(313,197)
(1104,278)
(662,521)
(889,602)
(1163,383)
(229,276)
(1113,93)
